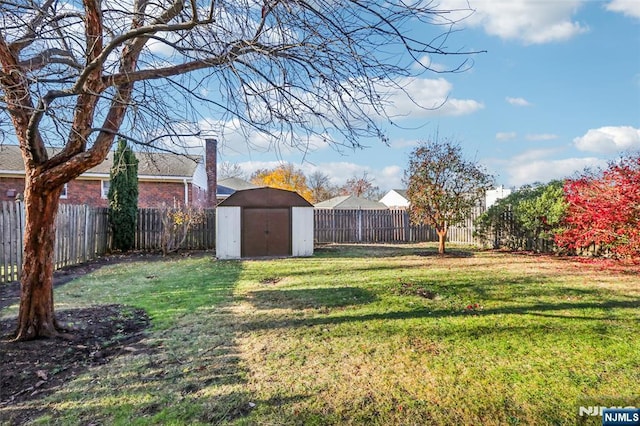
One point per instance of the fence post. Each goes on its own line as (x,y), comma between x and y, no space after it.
(86,254)
(407,226)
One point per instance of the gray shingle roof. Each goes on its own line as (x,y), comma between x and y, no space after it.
(236,184)
(402,192)
(348,202)
(150,164)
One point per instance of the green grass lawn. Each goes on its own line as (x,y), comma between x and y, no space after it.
(361,335)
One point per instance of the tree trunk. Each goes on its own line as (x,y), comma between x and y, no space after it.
(442,236)
(36,316)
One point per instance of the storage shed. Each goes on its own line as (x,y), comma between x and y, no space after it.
(264,222)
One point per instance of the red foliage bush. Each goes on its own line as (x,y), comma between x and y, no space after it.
(605,210)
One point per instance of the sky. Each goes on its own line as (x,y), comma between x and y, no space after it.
(557,90)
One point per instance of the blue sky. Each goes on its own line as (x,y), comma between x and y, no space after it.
(557,90)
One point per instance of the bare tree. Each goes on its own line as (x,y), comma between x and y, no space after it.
(76,74)
(443,187)
(361,186)
(320,186)
(231,170)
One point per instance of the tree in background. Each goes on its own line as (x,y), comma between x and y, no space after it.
(230,170)
(123,197)
(320,186)
(443,187)
(285,176)
(604,210)
(361,186)
(77,74)
(527,219)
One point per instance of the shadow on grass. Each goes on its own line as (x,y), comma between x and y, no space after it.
(387,250)
(188,369)
(331,297)
(539,309)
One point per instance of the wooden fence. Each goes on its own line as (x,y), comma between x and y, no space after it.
(83,232)
(151,224)
(11,226)
(382,226)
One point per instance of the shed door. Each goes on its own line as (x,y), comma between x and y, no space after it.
(266,232)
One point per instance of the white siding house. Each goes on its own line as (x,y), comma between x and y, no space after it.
(396,199)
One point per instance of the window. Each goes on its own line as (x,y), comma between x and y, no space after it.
(105,188)
(63,194)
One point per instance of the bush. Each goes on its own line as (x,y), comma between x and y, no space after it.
(603,212)
(176,223)
(527,219)
(123,197)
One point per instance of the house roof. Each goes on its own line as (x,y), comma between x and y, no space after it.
(150,164)
(236,184)
(402,192)
(348,202)
(224,191)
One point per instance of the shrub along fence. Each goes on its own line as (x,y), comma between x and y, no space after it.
(83,232)
(168,228)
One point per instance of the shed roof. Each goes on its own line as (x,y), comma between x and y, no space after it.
(350,202)
(265,197)
(149,163)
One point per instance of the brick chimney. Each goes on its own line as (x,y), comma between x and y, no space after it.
(211,164)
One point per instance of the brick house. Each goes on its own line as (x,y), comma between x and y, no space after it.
(163,178)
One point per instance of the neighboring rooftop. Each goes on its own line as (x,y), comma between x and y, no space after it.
(149,163)
(349,202)
(402,192)
(236,184)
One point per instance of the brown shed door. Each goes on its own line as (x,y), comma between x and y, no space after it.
(266,232)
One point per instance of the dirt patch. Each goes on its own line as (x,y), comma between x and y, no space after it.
(32,370)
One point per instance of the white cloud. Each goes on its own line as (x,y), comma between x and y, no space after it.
(238,139)
(506,136)
(540,165)
(427,98)
(427,61)
(391,173)
(541,137)
(386,178)
(545,170)
(338,171)
(627,7)
(534,154)
(530,21)
(609,139)
(404,143)
(518,101)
